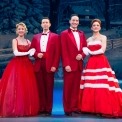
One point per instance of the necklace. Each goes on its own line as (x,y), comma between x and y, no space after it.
(96,37)
(21,41)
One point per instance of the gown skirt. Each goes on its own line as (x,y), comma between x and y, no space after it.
(100,92)
(18,89)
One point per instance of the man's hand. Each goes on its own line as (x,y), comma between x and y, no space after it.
(68,68)
(53,69)
(79,57)
(40,55)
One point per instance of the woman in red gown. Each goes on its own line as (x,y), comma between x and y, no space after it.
(18,88)
(99,89)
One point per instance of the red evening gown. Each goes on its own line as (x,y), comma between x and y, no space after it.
(99,89)
(18,88)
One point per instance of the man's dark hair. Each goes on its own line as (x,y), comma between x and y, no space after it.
(45,18)
(74,15)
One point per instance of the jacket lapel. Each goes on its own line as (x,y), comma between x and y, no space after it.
(38,42)
(49,40)
(71,36)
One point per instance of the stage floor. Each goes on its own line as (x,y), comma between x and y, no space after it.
(58,113)
(60,118)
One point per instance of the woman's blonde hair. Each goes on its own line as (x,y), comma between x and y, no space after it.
(22,24)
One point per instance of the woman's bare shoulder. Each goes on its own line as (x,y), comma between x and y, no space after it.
(89,39)
(103,36)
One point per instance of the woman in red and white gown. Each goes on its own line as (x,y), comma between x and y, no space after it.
(18,88)
(99,89)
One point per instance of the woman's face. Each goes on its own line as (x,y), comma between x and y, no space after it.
(96,27)
(21,30)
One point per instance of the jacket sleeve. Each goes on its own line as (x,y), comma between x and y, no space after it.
(33,45)
(64,50)
(57,51)
(84,44)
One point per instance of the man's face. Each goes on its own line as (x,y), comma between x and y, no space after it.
(74,22)
(45,24)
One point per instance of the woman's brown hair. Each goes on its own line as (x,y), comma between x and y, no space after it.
(96,20)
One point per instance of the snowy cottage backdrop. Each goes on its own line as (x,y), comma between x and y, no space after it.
(59,11)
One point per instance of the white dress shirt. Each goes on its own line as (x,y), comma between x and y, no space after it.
(43,42)
(77,39)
